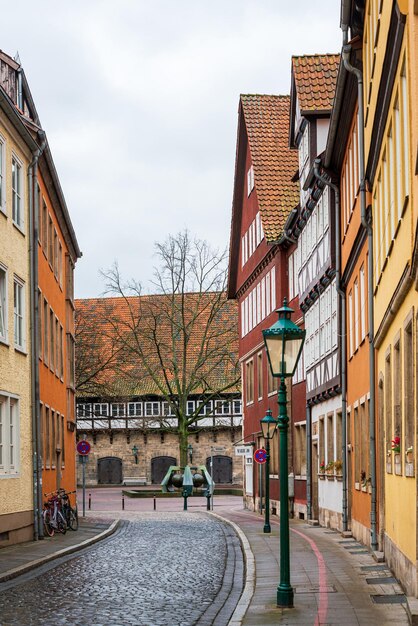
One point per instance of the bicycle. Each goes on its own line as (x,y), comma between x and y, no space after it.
(70,514)
(52,516)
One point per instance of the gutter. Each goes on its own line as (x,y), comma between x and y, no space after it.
(34,318)
(366,224)
(342,332)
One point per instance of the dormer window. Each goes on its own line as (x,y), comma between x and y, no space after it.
(250,180)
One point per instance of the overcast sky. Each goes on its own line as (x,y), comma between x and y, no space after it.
(139,100)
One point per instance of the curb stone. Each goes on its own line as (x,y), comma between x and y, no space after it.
(23,569)
(248,592)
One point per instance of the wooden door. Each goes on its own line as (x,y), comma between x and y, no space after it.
(222,469)
(159,468)
(315,510)
(109,471)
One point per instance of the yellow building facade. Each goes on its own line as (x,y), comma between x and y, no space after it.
(390,55)
(16,473)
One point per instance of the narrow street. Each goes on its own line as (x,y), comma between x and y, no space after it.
(159,569)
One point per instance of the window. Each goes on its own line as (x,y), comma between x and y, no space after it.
(397,388)
(69,278)
(250,180)
(19,313)
(2,175)
(47,446)
(356,316)
(118,409)
(50,242)
(17,189)
(62,443)
(152,409)
(53,443)
(362,305)
(100,409)
(350,323)
(409,381)
(57,348)
(249,381)
(388,401)
(44,227)
(45,319)
(70,359)
(3,303)
(190,407)
(59,267)
(9,435)
(260,375)
(39,324)
(61,352)
(51,340)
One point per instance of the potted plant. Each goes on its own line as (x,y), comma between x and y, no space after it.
(338,467)
(329,469)
(410,454)
(321,470)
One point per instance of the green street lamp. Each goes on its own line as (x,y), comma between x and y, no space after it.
(190,451)
(284,343)
(268,426)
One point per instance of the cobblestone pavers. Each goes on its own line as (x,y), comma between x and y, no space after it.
(166,569)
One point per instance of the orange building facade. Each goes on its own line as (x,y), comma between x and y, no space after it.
(57,254)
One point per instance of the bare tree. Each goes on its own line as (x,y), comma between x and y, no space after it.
(181,342)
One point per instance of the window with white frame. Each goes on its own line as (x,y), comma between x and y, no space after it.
(3,303)
(362,304)
(101,409)
(17,191)
(250,180)
(118,409)
(259,303)
(84,410)
(135,409)
(237,407)
(9,435)
(152,409)
(19,313)
(2,174)
(321,328)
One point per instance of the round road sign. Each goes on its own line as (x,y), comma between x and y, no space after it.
(260,456)
(83,447)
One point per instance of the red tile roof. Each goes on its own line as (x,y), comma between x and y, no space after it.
(315,79)
(267,124)
(119,328)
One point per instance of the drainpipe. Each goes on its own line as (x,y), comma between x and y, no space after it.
(309,461)
(19,89)
(34,316)
(343,335)
(366,224)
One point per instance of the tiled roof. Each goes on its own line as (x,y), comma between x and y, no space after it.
(104,326)
(315,79)
(267,124)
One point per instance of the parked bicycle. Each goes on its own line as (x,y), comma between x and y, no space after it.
(53,518)
(70,513)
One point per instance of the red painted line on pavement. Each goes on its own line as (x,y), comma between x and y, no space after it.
(322,575)
(322,570)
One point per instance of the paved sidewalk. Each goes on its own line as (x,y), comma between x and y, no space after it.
(335,580)
(21,558)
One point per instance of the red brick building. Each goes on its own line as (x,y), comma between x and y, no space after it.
(264,196)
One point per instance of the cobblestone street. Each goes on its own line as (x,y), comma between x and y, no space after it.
(164,569)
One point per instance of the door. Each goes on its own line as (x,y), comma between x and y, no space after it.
(159,468)
(222,469)
(109,471)
(315,511)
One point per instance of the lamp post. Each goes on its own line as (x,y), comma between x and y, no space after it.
(268,426)
(190,451)
(135,453)
(284,343)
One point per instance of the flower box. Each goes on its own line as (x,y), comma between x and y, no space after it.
(330,476)
(409,469)
(321,476)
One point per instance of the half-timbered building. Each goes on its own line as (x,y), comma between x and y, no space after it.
(312,92)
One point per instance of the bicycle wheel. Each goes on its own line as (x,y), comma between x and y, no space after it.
(61,523)
(72,519)
(49,530)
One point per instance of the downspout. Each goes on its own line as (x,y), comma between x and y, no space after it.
(342,333)
(19,89)
(309,461)
(368,228)
(34,316)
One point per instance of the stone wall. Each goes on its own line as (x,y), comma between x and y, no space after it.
(154,444)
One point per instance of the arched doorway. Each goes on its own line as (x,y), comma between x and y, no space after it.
(159,468)
(109,471)
(222,468)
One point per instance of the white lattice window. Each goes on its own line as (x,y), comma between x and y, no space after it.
(250,180)
(3,303)
(19,313)
(9,435)
(101,409)
(17,193)
(135,409)
(118,409)
(152,409)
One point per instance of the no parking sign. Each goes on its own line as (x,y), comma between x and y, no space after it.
(260,456)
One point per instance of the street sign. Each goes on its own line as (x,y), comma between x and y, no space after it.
(260,456)
(243,451)
(83,447)
(217,449)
